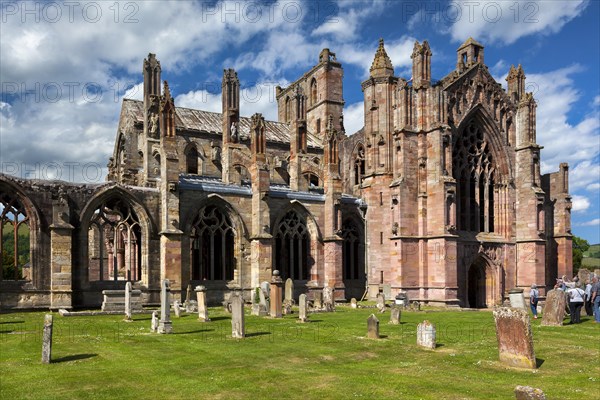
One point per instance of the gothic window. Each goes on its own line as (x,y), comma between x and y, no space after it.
(292,247)
(313,92)
(359,165)
(243,174)
(191,161)
(312,179)
(212,245)
(114,243)
(351,254)
(474,169)
(288,109)
(14,239)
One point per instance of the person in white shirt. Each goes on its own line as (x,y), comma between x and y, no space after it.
(576,296)
(589,308)
(534,296)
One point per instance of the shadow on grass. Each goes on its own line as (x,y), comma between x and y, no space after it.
(439,345)
(539,362)
(219,318)
(12,322)
(190,332)
(141,319)
(383,336)
(74,357)
(257,334)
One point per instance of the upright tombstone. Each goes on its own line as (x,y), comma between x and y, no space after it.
(256,301)
(303,306)
(128,301)
(275,298)
(381,302)
(318,300)
(372,327)
(238,327)
(426,335)
(266,287)
(47,339)
(154,324)
(165,325)
(515,340)
(517,298)
(201,299)
(177,308)
(263,305)
(353,303)
(529,393)
(554,309)
(387,291)
(188,296)
(395,315)
(289,291)
(328,299)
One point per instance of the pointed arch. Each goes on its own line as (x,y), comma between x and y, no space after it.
(313,92)
(484,283)
(358,163)
(193,163)
(353,254)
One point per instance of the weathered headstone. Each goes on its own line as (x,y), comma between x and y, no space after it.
(329,299)
(264,304)
(517,298)
(381,302)
(201,299)
(191,306)
(317,300)
(387,291)
(238,327)
(177,308)
(165,325)
(128,301)
(188,295)
(154,323)
(275,298)
(395,315)
(529,393)
(303,305)
(289,291)
(47,339)
(287,308)
(266,287)
(554,309)
(515,340)
(353,303)
(372,327)
(426,335)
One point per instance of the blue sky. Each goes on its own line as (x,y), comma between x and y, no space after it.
(65,67)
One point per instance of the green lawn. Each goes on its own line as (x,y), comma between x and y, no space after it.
(104,357)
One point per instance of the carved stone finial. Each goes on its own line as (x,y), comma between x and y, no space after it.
(382,65)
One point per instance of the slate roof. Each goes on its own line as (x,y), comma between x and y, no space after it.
(205,121)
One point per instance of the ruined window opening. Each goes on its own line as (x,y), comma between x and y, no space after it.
(318,125)
(192,161)
(292,247)
(313,92)
(15,239)
(351,254)
(312,179)
(114,243)
(212,245)
(288,110)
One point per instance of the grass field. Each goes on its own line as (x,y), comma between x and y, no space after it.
(104,357)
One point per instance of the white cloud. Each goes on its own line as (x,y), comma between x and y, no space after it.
(593,187)
(593,222)
(580,203)
(507,21)
(354,117)
(345,25)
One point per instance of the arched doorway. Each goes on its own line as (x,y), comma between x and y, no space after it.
(483,286)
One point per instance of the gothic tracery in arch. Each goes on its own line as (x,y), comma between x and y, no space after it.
(292,247)
(14,239)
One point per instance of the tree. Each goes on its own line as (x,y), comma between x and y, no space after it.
(580,246)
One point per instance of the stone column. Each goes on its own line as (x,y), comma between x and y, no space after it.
(164,325)
(275,297)
(61,254)
(128,301)
(202,309)
(238,328)
(47,339)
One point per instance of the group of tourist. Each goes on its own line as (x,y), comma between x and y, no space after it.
(577,298)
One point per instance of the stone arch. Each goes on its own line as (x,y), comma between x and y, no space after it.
(238,231)
(14,191)
(484,283)
(313,92)
(193,159)
(353,254)
(111,195)
(358,166)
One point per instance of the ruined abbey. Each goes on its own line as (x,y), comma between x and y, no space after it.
(439,196)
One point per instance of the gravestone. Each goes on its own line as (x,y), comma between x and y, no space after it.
(154,323)
(188,296)
(287,308)
(191,306)
(275,298)
(47,339)
(353,303)
(289,291)
(177,308)
(426,335)
(517,298)
(255,301)
(372,327)
(329,299)
(128,301)
(387,291)
(114,300)
(381,302)
(266,287)
(515,340)
(554,309)
(529,393)
(264,304)
(395,315)
(317,300)
(303,305)
(238,328)
(201,299)
(165,325)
